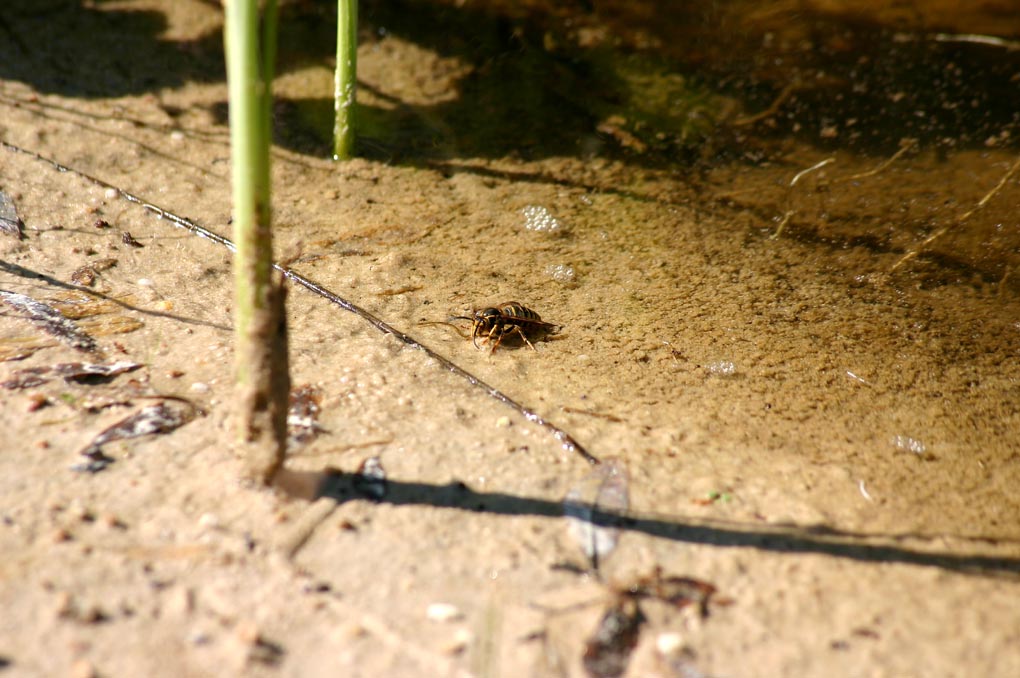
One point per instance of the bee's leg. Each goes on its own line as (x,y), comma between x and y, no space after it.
(519,331)
(499,337)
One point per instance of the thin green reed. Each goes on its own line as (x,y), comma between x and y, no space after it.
(261,349)
(345,80)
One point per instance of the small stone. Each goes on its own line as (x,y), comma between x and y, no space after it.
(63,605)
(669,643)
(180,602)
(443,612)
(208,521)
(460,641)
(199,387)
(503,422)
(83,668)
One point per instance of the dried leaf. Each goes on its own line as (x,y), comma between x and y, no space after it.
(158,418)
(607,651)
(677,591)
(86,371)
(27,378)
(10,222)
(129,239)
(34,376)
(50,320)
(302,426)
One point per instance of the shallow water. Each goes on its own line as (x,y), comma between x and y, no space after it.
(715,202)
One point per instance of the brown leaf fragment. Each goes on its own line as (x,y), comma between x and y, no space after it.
(81,372)
(151,420)
(27,378)
(87,275)
(50,320)
(84,276)
(93,371)
(305,405)
(676,591)
(129,239)
(607,651)
(10,222)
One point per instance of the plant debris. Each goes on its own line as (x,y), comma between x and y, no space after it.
(10,222)
(608,650)
(81,372)
(129,240)
(305,405)
(158,418)
(50,320)
(86,275)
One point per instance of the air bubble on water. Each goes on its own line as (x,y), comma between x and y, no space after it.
(560,272)
(722,368)
(538,218)
(908,444)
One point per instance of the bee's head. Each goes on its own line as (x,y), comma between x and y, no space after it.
(487,314)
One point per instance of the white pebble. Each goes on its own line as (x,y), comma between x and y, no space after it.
(443,612)
(177,136)
(207,520)
(145,282)
(503,422)
(669,643)
(200,387)
(111,193)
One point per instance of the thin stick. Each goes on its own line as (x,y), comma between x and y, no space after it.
(963,218)
(905,145)
(793,182)
(566,440)
(773,108)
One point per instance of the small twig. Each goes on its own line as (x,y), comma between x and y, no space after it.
(773,108)
(978,39)
(963,218)
(793,182)
(905,145)
(817,166)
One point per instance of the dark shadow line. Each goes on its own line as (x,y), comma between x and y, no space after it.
(773,538)
(23,272)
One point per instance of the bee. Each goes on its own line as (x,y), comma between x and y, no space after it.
(495,323)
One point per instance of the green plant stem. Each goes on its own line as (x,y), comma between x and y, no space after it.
(346,78)
(261,349)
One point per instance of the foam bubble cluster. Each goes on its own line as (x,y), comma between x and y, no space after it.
(560,272)
(723,368)
(908,444)
(538,218)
